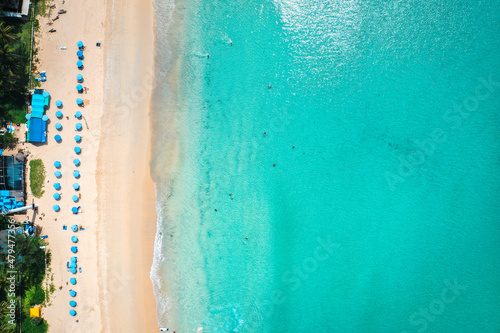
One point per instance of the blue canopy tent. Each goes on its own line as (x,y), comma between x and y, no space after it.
(58,174)
(74,228)
(74,239)
(79,87)
(75,198)
(76,162)
(72,281)
(79,54)
(74,249)
(74,210)
(57,196)
(58,126)
(79,44)
(76,174)
(57,164)
(38,104)
(59,103)
(72,312)
(79,64)
(56,208)
(78,114)
(72,303)
(74,259)
(72,293)
(59,114)
(76,186)
(79,101)
(78,126)
(78,138)
(37,130)
(78,150)
(57,186)
(57,138)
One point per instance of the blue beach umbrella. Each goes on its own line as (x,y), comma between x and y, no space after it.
(72,303)
(76,162)
(74,249)
(76,173)
(58,126)
(45,94)
(73,270)
(78,126)
(79,101)
(78,114)
(72,281)
(45,117)
(57,186)
(72,312)
(73,259)
(78,150)
(59,103)
(79,77)
(79,87)
(59,114)
(74,228)
(58,138)
(57,164)
(28,116)
(79,44)
(72,293)
(74,210)
(78,138)
(76,186)
(58,174)
(57,196)
(79,64)
(56,208)
(79,54)
(75,198)
(74,239)
(73,265)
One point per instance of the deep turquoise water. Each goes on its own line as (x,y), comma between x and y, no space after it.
(381,213)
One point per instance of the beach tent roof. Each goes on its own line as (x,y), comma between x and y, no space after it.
(35,312)
(37,130)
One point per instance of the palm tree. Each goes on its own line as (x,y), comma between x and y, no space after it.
(7,34)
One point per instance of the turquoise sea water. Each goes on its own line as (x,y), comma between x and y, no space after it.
(381,213)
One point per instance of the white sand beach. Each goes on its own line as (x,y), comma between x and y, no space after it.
(115,251)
